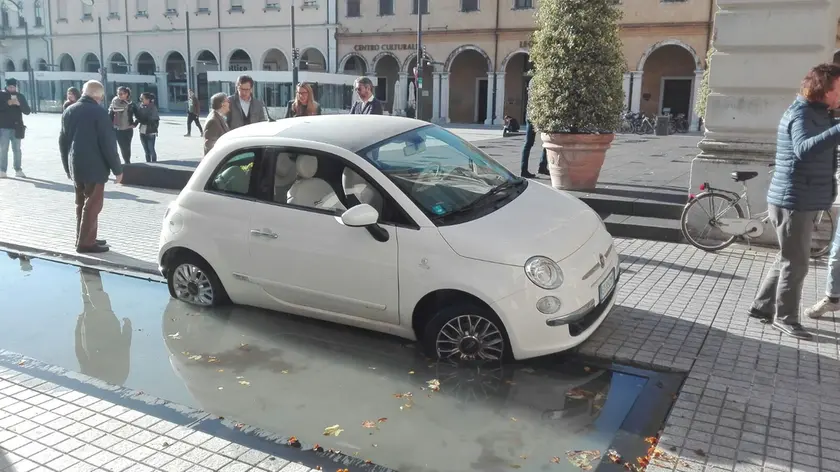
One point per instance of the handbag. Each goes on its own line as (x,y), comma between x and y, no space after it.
(20,131)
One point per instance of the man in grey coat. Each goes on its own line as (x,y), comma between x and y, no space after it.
(88,145)
(803,184)
(244,107)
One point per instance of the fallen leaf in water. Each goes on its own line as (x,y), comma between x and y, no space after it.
(410,372)
(221,388)
(318,467)
(21,362)
(195,358)
(368,461)
(368,424)
(356,454)
(523,457)
(513,419)
(510,382)
(221,370)
(555,460)
(342,470)
(372,368)
(614,456)
(239,377)
(293,441)
(434,384)
(650,440)
(175,336)
(515,466)
(333,430)
(587,369)
(212,359)
(242,425)
(402,395)
(382,420)
(284,371)
(375,445)
(583,459)
(244,346)
(244,382)
(407,405)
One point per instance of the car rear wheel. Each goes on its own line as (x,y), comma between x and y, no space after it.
(193,281)
(466,332)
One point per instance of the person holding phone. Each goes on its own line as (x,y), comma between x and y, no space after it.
(13,106)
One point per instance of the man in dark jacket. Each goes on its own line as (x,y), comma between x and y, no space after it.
(803,184)
(88,145)
(367,104)
(13,106)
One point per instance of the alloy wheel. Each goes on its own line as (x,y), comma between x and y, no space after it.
(192,285)
(470,337)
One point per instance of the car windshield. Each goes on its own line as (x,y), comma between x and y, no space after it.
(442,173)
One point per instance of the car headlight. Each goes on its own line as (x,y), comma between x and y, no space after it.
(544,272)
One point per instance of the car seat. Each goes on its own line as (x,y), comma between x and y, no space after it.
(285,174)
(309,191)
(358,190)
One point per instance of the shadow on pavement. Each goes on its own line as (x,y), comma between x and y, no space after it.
(63,187)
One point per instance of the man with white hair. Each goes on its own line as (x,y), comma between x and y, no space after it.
(88,147)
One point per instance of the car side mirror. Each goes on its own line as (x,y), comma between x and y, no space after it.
(360,216)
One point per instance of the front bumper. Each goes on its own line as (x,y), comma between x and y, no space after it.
(533,333)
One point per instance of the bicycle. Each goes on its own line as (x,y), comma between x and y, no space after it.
(645,125)
(744,225)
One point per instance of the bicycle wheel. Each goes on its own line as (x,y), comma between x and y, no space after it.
(824,226)
(672,128)
(626,127)
(639,128)
(720,206)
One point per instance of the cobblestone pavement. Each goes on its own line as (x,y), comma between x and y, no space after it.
(46,426)
(753,401)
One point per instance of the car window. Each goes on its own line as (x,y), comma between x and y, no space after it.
(234,175)
(321,182)
(442,173)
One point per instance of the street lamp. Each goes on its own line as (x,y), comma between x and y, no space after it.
(17,6)
(295,52)
(103,71)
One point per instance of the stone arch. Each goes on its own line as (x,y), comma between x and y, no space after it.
(408,60)
(467,47)
(379,56)
(347,57)
(197,56)
(143,55)
(271,50)
(66,63)
(234,51)
(10,65)
(504,64)
(698,63)
(87,60)
(42,65)
(117,61)
(24,65)
(306,51)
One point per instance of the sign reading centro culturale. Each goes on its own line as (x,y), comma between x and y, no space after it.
(384,47)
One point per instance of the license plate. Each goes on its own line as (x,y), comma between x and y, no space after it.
(606,286)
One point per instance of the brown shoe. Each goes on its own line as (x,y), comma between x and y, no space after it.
(95,249)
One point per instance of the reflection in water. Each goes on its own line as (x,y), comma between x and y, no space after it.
(307,375)
(102,346)
(25,264)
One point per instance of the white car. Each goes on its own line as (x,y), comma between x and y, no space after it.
(394,225)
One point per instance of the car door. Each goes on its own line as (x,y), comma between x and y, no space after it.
(305,259)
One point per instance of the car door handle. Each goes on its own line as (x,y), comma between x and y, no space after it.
(264,232)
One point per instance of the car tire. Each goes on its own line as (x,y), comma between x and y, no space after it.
(205,290)
(496,345)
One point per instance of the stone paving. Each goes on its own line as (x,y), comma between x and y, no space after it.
(45,426)
(753,401)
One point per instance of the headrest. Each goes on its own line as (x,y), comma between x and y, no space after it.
(350,179)
(285,166)
(307,166)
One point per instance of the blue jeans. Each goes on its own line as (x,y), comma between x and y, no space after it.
(530,136)
(7,136)
(148,142)
(832,280)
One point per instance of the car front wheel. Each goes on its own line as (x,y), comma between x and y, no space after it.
(193,281)
(466,332)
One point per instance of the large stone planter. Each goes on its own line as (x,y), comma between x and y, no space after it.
(575,160)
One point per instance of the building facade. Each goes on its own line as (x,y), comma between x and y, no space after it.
(479,51)
(149,37)
(27,27)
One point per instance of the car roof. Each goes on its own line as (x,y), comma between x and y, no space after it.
(351,132)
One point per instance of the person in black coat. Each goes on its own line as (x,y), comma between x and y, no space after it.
(367,104)
(13,106)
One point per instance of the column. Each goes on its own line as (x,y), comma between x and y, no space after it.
(499,119)
(625,85)
(489,111)
(436,97)
(636,99)
(404,94)
(163,90)
(746,103)
(444,97)
(694,118)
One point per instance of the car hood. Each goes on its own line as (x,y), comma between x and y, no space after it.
(541,221)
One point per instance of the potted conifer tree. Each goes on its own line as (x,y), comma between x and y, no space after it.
(576,96)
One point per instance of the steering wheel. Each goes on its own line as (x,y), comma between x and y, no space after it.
(431,172)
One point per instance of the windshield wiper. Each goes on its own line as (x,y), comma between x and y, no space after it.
(516,182)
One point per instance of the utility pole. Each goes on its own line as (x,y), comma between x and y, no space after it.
(189,51)
(419,77)
(295,52)
(103,70)
(33,87)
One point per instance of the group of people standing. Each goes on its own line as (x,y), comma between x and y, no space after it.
(125,116)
